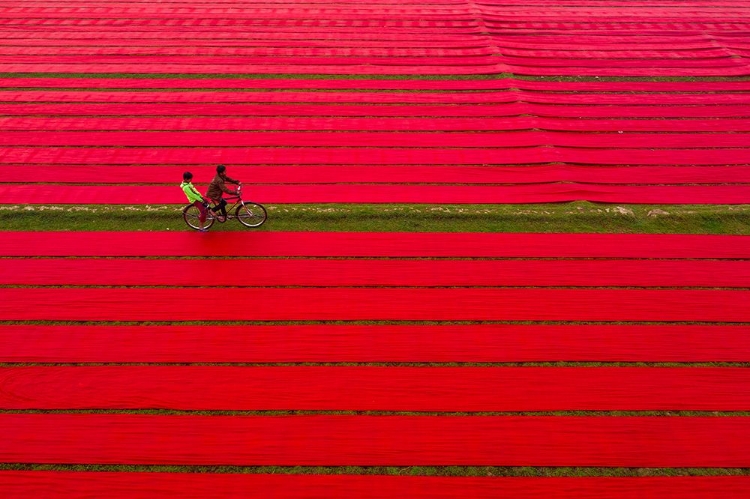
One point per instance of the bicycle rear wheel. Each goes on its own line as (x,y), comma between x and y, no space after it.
(191,214)
(251,214)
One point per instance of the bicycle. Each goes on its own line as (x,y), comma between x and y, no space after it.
(248,213)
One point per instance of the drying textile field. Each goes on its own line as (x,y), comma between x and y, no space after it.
(342,364)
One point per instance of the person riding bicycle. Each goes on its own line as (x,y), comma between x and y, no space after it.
(216,189)
(194,197)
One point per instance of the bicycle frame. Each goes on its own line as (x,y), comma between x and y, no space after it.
(236,199)
(249,214)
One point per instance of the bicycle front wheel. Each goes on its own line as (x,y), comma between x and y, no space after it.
(191,214)
(251,214)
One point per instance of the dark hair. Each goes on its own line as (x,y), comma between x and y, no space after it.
(221,169)
(187,176)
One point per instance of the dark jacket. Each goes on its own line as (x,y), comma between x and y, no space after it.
(217,186)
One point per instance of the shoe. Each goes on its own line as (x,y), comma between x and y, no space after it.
(221,218)
(202,230)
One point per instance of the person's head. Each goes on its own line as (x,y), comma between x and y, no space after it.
(221,169)
(187,176)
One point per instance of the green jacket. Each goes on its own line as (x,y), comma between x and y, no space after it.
(191,192)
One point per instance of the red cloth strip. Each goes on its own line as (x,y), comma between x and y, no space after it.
(393,66)
(364,388)
(485,98)
(611,273)
(584,67)
(286,97)
(364,244)
(632,17)
(401,440)
(337,343)
(640,53)
(508,139)
(363,39)
(74,485)
(149,59)
(370,124)
(374,156)
(273,24)
(363,304)
(711,64)
(334,155)
(248,63)
(197,51)
(247,3)
(444,17)
(596,3)
(301,84)
(267,40)
(390,193)
(226,34)
(672,4)
(299,110)
(385,174)
(520,45)
(572,26)
(657,157)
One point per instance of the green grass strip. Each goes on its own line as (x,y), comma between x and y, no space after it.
(578,217)
(455,471)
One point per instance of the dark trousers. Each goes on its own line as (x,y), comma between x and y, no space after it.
(222,206)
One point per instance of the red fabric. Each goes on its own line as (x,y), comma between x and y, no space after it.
(655,156)
(338,343)
(582,67)
(619,32)
(393,66)
(392,193)
(419,60)
(674,64)
(266,124)
(508,139)
(73,485)
(250,3)
(495,84)
(350,53)
(316,155)
(268,40)
(369,66)
(410,389)
(231,34)
(306,272)
(52,96)
(606,52)
(376,440)
(376,156)
(363,244)
(296,110)
(313,17)
(391,174)
(271,24)
(573,98)
(417,304)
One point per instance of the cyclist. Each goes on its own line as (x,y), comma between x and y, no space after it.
(194,197)
(217,188)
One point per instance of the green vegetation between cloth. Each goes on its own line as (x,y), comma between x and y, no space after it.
(457,471)
(577,217)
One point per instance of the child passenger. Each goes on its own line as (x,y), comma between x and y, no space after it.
(194,197)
